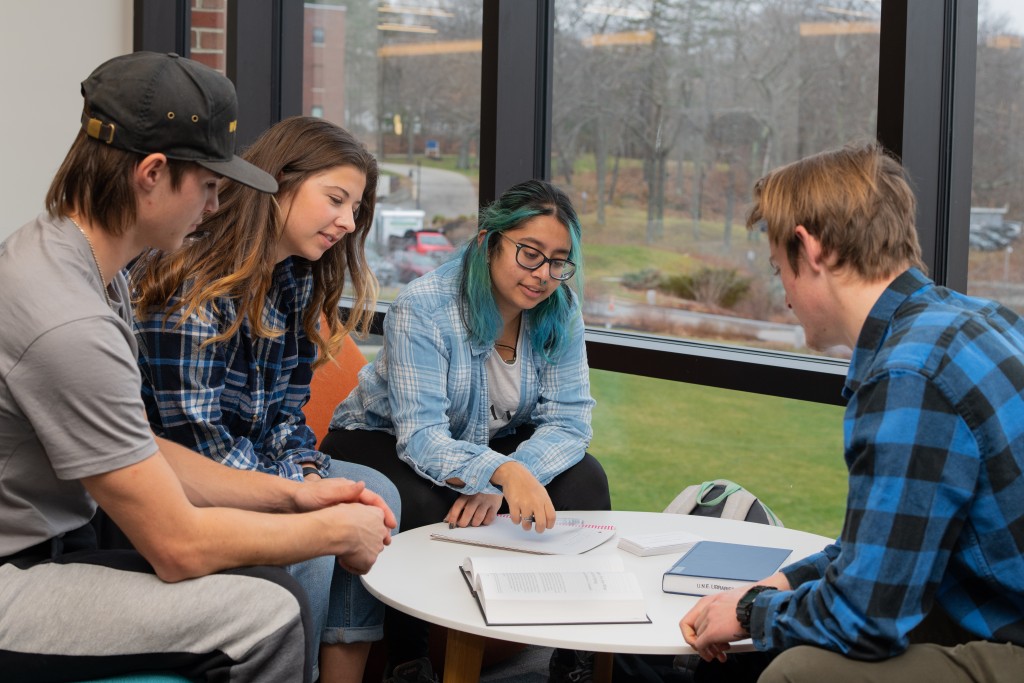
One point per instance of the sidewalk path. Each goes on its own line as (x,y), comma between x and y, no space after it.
(442,193)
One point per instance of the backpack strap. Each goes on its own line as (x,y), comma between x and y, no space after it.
(736,502)
(686,501)
(728,488)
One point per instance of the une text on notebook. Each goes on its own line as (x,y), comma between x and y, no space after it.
(713,566)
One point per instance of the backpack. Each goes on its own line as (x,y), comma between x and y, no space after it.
(722,498)
(717,498)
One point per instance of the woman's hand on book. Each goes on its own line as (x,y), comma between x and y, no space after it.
(473,510)
(528,502)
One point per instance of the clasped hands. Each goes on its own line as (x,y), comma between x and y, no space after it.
(368,520)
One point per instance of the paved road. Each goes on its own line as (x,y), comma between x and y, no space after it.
(611,310)
(443,193)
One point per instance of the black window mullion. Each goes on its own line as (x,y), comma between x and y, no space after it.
(515,93)
(926,117)
(161,26)
(264,59)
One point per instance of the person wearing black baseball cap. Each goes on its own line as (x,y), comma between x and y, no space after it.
(157,137)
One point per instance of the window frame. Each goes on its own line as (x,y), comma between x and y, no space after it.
(925,116)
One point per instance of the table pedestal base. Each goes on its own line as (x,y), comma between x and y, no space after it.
(463,654)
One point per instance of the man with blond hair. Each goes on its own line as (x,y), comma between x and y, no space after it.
(926,581)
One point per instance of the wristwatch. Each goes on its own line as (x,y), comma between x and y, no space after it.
(746,605)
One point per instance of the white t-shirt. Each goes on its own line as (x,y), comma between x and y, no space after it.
(504,386)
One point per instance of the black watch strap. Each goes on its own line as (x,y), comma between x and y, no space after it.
(308,470)
(745,606)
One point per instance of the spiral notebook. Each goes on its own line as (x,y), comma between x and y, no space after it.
(567,537)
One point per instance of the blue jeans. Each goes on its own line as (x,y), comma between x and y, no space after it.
(343,610)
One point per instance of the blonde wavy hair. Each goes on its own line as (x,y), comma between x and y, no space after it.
(235,255)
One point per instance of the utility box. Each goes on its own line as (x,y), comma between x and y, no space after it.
(390,226)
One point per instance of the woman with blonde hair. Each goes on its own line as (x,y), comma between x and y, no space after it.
(229,333)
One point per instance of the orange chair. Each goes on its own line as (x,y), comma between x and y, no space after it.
(332,383)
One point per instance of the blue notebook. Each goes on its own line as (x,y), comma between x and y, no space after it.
(712,566)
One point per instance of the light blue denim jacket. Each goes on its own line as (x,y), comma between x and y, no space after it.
(428,387)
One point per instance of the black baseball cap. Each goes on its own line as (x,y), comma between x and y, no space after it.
(151,102)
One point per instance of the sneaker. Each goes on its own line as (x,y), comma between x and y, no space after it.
(415,671)
(571,666)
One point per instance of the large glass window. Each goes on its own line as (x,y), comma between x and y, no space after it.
(654,437)
(996,258)
(404,78)
(664,115)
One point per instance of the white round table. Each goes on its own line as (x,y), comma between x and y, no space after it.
(421,577)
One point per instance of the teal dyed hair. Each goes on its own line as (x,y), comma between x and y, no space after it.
(550,320)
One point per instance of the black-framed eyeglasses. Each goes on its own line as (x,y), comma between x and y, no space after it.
(532,258)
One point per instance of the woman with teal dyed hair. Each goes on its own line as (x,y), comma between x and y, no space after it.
(479,400)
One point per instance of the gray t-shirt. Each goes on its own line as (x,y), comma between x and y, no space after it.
(70,403)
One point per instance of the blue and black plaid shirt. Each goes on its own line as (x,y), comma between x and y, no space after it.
(238,401)
(934,434)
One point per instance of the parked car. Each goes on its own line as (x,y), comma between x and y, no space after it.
(989,229)
(411,264)
(384,269)
(428,242)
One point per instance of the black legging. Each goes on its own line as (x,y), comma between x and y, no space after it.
(584,486)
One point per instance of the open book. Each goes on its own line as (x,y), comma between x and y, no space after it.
(554,589)
(567,537)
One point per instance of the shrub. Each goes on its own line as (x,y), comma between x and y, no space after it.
(648,278)
(715,286)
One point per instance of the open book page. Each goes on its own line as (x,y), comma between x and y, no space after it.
(568,537)
(555,590)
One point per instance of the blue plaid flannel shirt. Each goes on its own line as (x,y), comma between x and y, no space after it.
(934,434)
(238,401)
(428,387)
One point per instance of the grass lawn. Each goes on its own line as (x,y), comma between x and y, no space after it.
(655,437)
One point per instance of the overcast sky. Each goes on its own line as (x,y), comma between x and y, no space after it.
(1013,9)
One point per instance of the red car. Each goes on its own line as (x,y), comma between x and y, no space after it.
(411,264)
(428,242)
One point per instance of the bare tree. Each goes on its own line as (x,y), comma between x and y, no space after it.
(999,118)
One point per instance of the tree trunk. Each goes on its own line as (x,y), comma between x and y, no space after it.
(730,201)
(600,167)
(615,178)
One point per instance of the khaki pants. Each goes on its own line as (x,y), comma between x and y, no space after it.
(941,653)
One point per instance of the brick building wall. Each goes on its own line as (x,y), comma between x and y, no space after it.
(323,56)
(209,35)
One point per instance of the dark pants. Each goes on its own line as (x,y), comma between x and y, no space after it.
(584,486)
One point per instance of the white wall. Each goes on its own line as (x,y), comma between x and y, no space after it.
(47,48)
